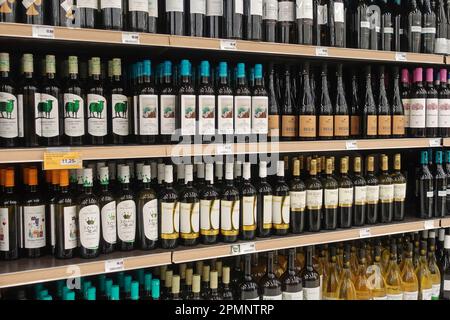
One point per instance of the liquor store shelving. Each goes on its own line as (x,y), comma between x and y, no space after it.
(155,151)
(25,31)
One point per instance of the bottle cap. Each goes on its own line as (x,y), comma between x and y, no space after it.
(91,293)
(429,75)
(180,171)
(438,159)
(447,242)
(223,69)
(139,170)
(55,177)
(258,71)
(182,269)
(4,62)
(441,235)
(108,287)
(64,178)
(168,281)
(127,283)
(405,76)
(219,170)
(219,268)
(189,274)
(214,279)
(229,171)
(155,289)
(103,175)
(443,75)
(175,284)
(50,63)
(204,69)
(27,63)
(69,296)
(247,173)
(262,169)
(418,75)
(116,67)
(196,283)
(87,177)
(432,234)
(201,170)
(205,273)
(162,272)
(134,290)
(226,275)
(9,178)
(32,177)
(188,173)
(167,70)
(241,70)
(146,174)
(199,267)
(423,157)
(209,172)
(168,173)
(124,174)
(115,292)
(147,68)
(84,288)
(148,282)
(238,169)
(185,68)
(280,168)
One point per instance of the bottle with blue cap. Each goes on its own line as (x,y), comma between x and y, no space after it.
(107,202)
(225,104)
(156,289)
(425,188)
(137,16)
(115,293)
(206,104)
(253,15)
(126,212)
(167,102)
(242,105)
(214,18)
(175,18)
(186,106)
(440,187)
(260,105)
(196,18)
(147,213)
(146,126)
(146,293)
(119,110)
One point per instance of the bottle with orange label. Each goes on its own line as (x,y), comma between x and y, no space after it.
(369,112)
(341,112)
(307,116)
(384,110)
(326,119)
(355,109)
(9,217)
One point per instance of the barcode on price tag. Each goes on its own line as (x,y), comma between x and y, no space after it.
(322,52)
(401,56)
(224,149)
(228,45)
(130,38)
(243,248)
(429,224)
(114,265)
(62,160)
(351,145)
(435,142)
(365,233)
(43,32)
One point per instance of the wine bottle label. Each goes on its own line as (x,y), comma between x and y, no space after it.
(325,126)
(442,193)
(126,220)
(307,126)
(293,295)
(436,290)
(148,114)
(417,113)
(388,30)
(170,220)
(355,125)
(9,120)
(214,8)
(256,7)
(70,227)
(426,294)
(34,226)
(322,14)
(120,114)
(242,110)
(198,7)
(207,117)
(304,9)
(138,5)
(253,299)
(364,25)
(345,197)
(4,229)
(339,12)
(109,225)
(87,4)
(373,194)
(381,298)
(286,11)
(298,200)
(398,125)
(407,111)
(444,113)
(384,125)
(274,126)
(331,198)
(47,115)
(281,211)
(226,118)
(398,296)
(341,126)
(267,214)
(430,194)
(416,29)
(249,213)
(410,295)
(229,217)
(277,297)
(314,199)
(150,219)
(311,293)
(428,30)
(167,114)
(153,8)
(288,124)
(174,6)
(446,285)
(209,217)
(20,114)
(270,10)
(440,46)
(399,191)
(360,195)
(432,111)
(386,193)
(188,115)
(97,117)
(448,46)
(189,220)
(89,227)
(73,115)
(116,4)
(260,110)
(371,125)
(239,6)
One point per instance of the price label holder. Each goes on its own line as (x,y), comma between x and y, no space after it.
(44,32)
(401,56)
(429,224)
(222,149)
(130,38)
(228,45)
(114,265)
(322,52)
(243,248)
(351,145)
(56,159)
(365,233)
(435,142)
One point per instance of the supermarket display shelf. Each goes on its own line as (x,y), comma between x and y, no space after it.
(445,222)
(446,141)
(25,31)
(155,151)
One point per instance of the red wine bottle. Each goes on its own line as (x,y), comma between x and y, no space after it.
(444,106)
(214,16)
(418,100)
(286,14)
(233,19)
(432,105)
(414,27)
(405,93)
(398,113)
(253,10)
(174,14)
(305,21)
(369,112)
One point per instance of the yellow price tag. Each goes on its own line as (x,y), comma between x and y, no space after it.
(62,160)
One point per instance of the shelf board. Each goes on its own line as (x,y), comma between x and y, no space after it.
(29,271)
(445,222)
(13,30)
(446,142)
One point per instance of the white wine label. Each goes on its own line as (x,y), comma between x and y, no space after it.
(417,113)
(126,220)
(207,116)
(426,294)
(88,4)
(286,12)
(148,114)
(268,207)
(189,218)
(278,297)
(432,112)
(304,10)
(97,117)
(260,108)
(239,6)
(436,290)
(210,214)
(225,116)
(281,206)
(270,10)
(153,8)
(174,6)
(407,106)
(73,115)
(410,295)
(360,195)
(47,115)
(388,30)
(229,215)
(138,5)
(188,116)
(386,192)
(322,14)
(117,4)
(109,224)
(256,7)
(293,295)
(242,110)
(198,7)
(345,197)
(4,229)
(70,228)
(442,193)
(365,24)
(298,200)
(167,114)
(150,219)
(120,114)
(249,211)
(339,12)
(331,198)
(34,226)
(430,194)
(311,293)
(444,113)
(399,191)
(429,30)
(446,285)
(314,199)
(398,296)
(440,46)
(9,117)
(89,226)
(20,114)
(214,8)
(170,220)
(373,194)
(417,29)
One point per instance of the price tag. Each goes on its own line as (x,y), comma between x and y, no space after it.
(429,224)
(322,52)
(243,248)
(44,32)
(224,149)
(365,233)
(114,265)
(62,160)
(435,142)
(351,145)
(130,38)
(228,45)
(401,56)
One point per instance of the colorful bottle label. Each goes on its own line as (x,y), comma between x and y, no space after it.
(256,7)
(97,115)
(225,116)
(109,224)
(188,115)
(426,294)
(432,113)
(249,213)
(444,113)
(47,115)
(150,219)
(153,8)
(398,296)
(70,228)
(167,114)
(9,117)
(73,115)
(322,14)
(274,125)
(260,110)
(304,9)
(4,229)
(229,217)
(89,226)
(281,206)
(119,103)
(126,220)
(339,12)
(189,220)
(417,113)
(436,290)
(207,115)
(410,295)
(170,220)
(407,110)
(242,110)
(209,217)
(34,226)
(355,125)
(148,114)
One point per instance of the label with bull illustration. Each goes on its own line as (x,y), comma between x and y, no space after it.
(47,115)
(73,115)
(120,114)
(9,124)
(97,115)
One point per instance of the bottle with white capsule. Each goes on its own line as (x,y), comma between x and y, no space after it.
(209,208)
(168,211)
(248,198)
(189,210)
(229,207)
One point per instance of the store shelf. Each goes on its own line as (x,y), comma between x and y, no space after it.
(11,30)
(28,271)
(277,243)
(445,222)
(446,142)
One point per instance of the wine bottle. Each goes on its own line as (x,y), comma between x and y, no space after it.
(386,192)
(304,14)
(297,194)
(373,192)
(50,208)
(360,194)
(444,105)
(409,278)
(331,276)
(440,187)
(269,285)
(226,292)
(375,275)
(326,119)
(441,29)
(384,110)
(398,114)
(233,19)
(394,287)
(398,18)
(112,13)
(209,208)
(314,199)
(242,105)
(260,106)
(417,102)
(153,16)
(214,18)
(10,12)
(433,267)
(174,17)
(253,12)
(399,181)
(189,210)
(362,287)
(206,104)
(34,13)
(288,115)
(310,277)
(331,198)
(225,100)
(424,188)
(169,212)
(345,196)
(137,15)
(428,27)
(406,98)
(445,270)
(126,212)
(423,274)
(361,25)
(147,105)
(107,204)
(87,14)
(321,23)
(369,112)
(196,18)
(387,26)
(355,118)
(229,207)
(307,115)
(281,203)
(414,27)
(97,115)
(248,289)
(341,112)
(10,213)
(147,213)
(337,23)
(286,17)
(263,203)
(9,124)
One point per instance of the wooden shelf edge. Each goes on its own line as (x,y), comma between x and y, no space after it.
(445,222)
(446,141)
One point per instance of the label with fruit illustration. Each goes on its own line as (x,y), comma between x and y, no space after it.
(167,114)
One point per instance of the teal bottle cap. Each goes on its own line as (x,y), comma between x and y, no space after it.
(223,70)
(47,297)
(148,282)
(134,290)
(155,289)
(167,70)
(64,291)
(70,295)
(140,276)
(204,69)
(140,69)
(86,286)
(134,71)
(59,288)
(120,279)
(241,70)
(127,283)
(101,283)
(91,293)
(447,156)
(115,292)
(424,157)
(37,289)
(185,68)
(147,65)
(43,293)
(108,286)
(438,157)
(258,71)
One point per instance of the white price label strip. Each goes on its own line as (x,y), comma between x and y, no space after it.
(365,233)
(351,145)
(429,224)
(435,142)
(243,248)
(44,32)
(228,45)
(401,56)
(224,149)
(114,265)
(322,52)
(130,38)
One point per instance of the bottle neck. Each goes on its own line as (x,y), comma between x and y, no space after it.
(248,267)
(259,82)
(291,261)
(270,264)
(223,80)
(73,76)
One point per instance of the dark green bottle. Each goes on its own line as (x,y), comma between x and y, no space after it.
(147,124)
(209,208)
(229,207)
(9,119)
(107,202)
(248,198)
(147,213)
(10,217)
(118,106)
(126,212)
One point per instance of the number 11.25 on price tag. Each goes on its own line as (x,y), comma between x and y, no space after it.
(62,160)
